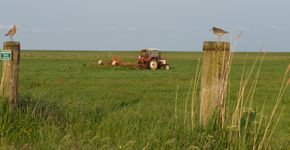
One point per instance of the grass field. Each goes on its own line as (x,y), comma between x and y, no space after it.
(68,101)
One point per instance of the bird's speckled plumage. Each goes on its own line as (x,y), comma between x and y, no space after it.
(11,32)
(218,32)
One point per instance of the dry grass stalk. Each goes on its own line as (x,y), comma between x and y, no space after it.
(259,127)
(251,95)
(194,92)
(224,86)
(237,112)
(276,106)
(175,109)
(237,115)
(271,134)
(186,101)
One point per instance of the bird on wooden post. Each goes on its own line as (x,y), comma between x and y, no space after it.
(11,32)
(218,32)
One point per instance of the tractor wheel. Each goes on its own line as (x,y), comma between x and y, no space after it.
(166,67)
(153,64)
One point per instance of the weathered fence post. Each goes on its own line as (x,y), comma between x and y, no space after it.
(10,71)
(214,78)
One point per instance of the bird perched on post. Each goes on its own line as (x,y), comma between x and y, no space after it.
(218,32)
(11,32)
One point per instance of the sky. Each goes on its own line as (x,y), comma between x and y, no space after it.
(179,25)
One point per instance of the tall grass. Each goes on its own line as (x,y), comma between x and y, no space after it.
(243,128)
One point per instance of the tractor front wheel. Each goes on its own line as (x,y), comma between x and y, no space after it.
(166,67)
(153,65)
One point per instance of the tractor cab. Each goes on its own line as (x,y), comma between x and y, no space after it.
(150,52)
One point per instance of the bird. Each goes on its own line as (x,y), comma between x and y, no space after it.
(218,32)
(11,32)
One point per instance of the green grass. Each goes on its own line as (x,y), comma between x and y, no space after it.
(67,101)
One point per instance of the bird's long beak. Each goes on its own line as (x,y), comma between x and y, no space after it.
(210,30)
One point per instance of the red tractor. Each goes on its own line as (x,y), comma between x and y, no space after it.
(150,58)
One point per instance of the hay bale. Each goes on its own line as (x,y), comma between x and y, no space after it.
(100,62)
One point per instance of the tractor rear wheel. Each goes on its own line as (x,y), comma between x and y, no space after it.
(153,65)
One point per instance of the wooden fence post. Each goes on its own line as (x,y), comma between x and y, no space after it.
(214,76)
(10,71)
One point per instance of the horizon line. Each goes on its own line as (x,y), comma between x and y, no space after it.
(128,50)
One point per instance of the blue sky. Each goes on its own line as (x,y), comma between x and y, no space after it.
(180,25)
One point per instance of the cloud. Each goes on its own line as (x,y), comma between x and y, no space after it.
(276,28)
(11,26)
(113,28)
(242,28)
(2,27)
(193,28)
(128,28)
(19,27)
(169,28)
(71,29)
(7,27)
(131,28)
(257,27)
(121,37)
(38,30)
